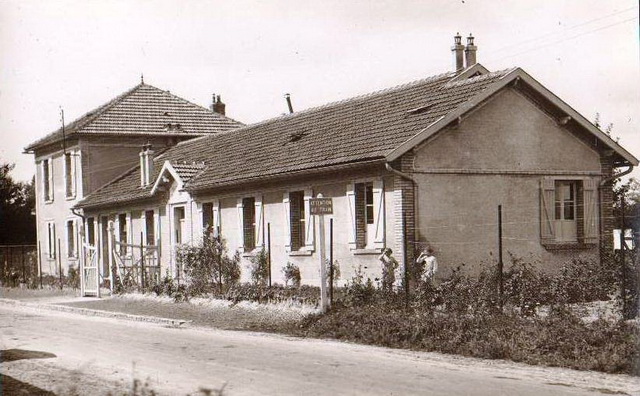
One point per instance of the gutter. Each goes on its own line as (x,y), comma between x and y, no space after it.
(397,172)
(616,176)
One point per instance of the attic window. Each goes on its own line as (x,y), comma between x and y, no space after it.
(420,109)
(166,114)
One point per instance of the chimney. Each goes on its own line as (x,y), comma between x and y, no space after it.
(218,106)
(470,52)
(457,51)
(146,165)
(288,98)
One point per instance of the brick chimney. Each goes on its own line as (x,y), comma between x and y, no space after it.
(217,106)
(457,49)
(470,52)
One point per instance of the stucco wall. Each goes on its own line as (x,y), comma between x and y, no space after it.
(515,144)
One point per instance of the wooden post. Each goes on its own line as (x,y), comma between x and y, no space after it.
(269,251)
(141,261)
(40,263)
(406,261)
(59,254)
(331,261)
(500,264)
(24,273)
(324,304)
(110,237)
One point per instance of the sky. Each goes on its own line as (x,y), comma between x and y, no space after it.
(77,55)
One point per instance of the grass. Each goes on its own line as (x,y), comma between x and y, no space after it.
(34,294)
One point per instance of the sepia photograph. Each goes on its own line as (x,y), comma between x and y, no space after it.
(208,197)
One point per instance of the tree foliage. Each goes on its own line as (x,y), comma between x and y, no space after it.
(17,202)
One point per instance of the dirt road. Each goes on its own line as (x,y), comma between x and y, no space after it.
(98,355)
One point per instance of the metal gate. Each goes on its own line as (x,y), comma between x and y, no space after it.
(90,274)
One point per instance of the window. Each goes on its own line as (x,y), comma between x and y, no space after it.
(249,223)
(569,211)
(51,240)
(47,180)
(122,233)
(366,206)
(178,224)
(297,219)
(69,175)
(71,239)
(150,227)
(207,218)
(91,231)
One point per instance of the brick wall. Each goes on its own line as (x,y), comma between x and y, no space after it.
(404,209)
(607,222)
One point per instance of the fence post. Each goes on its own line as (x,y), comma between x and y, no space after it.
(59,254)
(623,264)
(141,262)
(24,273)
(40,263)
(500,264)
(269,251)
(110,236)
(331,261)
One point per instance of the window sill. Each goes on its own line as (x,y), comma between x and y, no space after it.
(252,253)
(72,258)
(569,246)
(358,252)
(50,201)
(70,198)
(301,253)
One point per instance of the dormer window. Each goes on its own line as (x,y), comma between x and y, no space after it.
(146,165)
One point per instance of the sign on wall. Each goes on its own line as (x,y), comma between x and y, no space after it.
(321,206)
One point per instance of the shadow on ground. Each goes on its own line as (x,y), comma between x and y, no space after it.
(11,386)
(10,355)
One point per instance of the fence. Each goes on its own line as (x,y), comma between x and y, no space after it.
(19,264)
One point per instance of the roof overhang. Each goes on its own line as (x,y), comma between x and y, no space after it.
(515,76)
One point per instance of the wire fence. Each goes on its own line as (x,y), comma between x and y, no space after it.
(18,264)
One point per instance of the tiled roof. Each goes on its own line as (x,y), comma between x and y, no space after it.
(186,170)
(363,128)
(144,110)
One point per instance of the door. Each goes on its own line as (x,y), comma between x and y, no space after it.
(104,246)
(90,278)
(566,211)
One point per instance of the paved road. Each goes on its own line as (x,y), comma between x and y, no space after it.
(95,355)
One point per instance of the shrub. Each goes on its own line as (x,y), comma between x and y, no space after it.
(208,266)
(260,268)
(291,274)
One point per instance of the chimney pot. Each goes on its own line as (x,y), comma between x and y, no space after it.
(218,106)
(470,52)
(457,50)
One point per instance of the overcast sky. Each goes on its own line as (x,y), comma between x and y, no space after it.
(79,54)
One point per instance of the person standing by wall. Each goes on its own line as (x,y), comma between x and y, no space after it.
(429,264)
(389,265)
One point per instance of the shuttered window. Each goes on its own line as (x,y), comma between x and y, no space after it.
(150,227)
(569,211)
(249,223)
(47,180)
(51,240)
(366,207)
(71,239)
(207,217)
(69,175)
(297,219)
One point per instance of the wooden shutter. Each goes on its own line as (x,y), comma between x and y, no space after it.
(259,220)
(378,213)
(217,227)
(286,203)
(308,221)
(590,187)
(351,200)
(240,208)
(547,215)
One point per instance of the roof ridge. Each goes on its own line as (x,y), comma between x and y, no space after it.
(194,104)
(91,115)
(367,95)
(481,77)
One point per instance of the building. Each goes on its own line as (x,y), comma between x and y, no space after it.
(79,158)
(427,163)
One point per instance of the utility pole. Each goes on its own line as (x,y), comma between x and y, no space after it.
(623,265)
(500,264)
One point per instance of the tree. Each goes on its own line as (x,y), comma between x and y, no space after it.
(17,202)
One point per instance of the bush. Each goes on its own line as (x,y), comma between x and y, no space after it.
(291,274)
(260,268)
(208,266)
